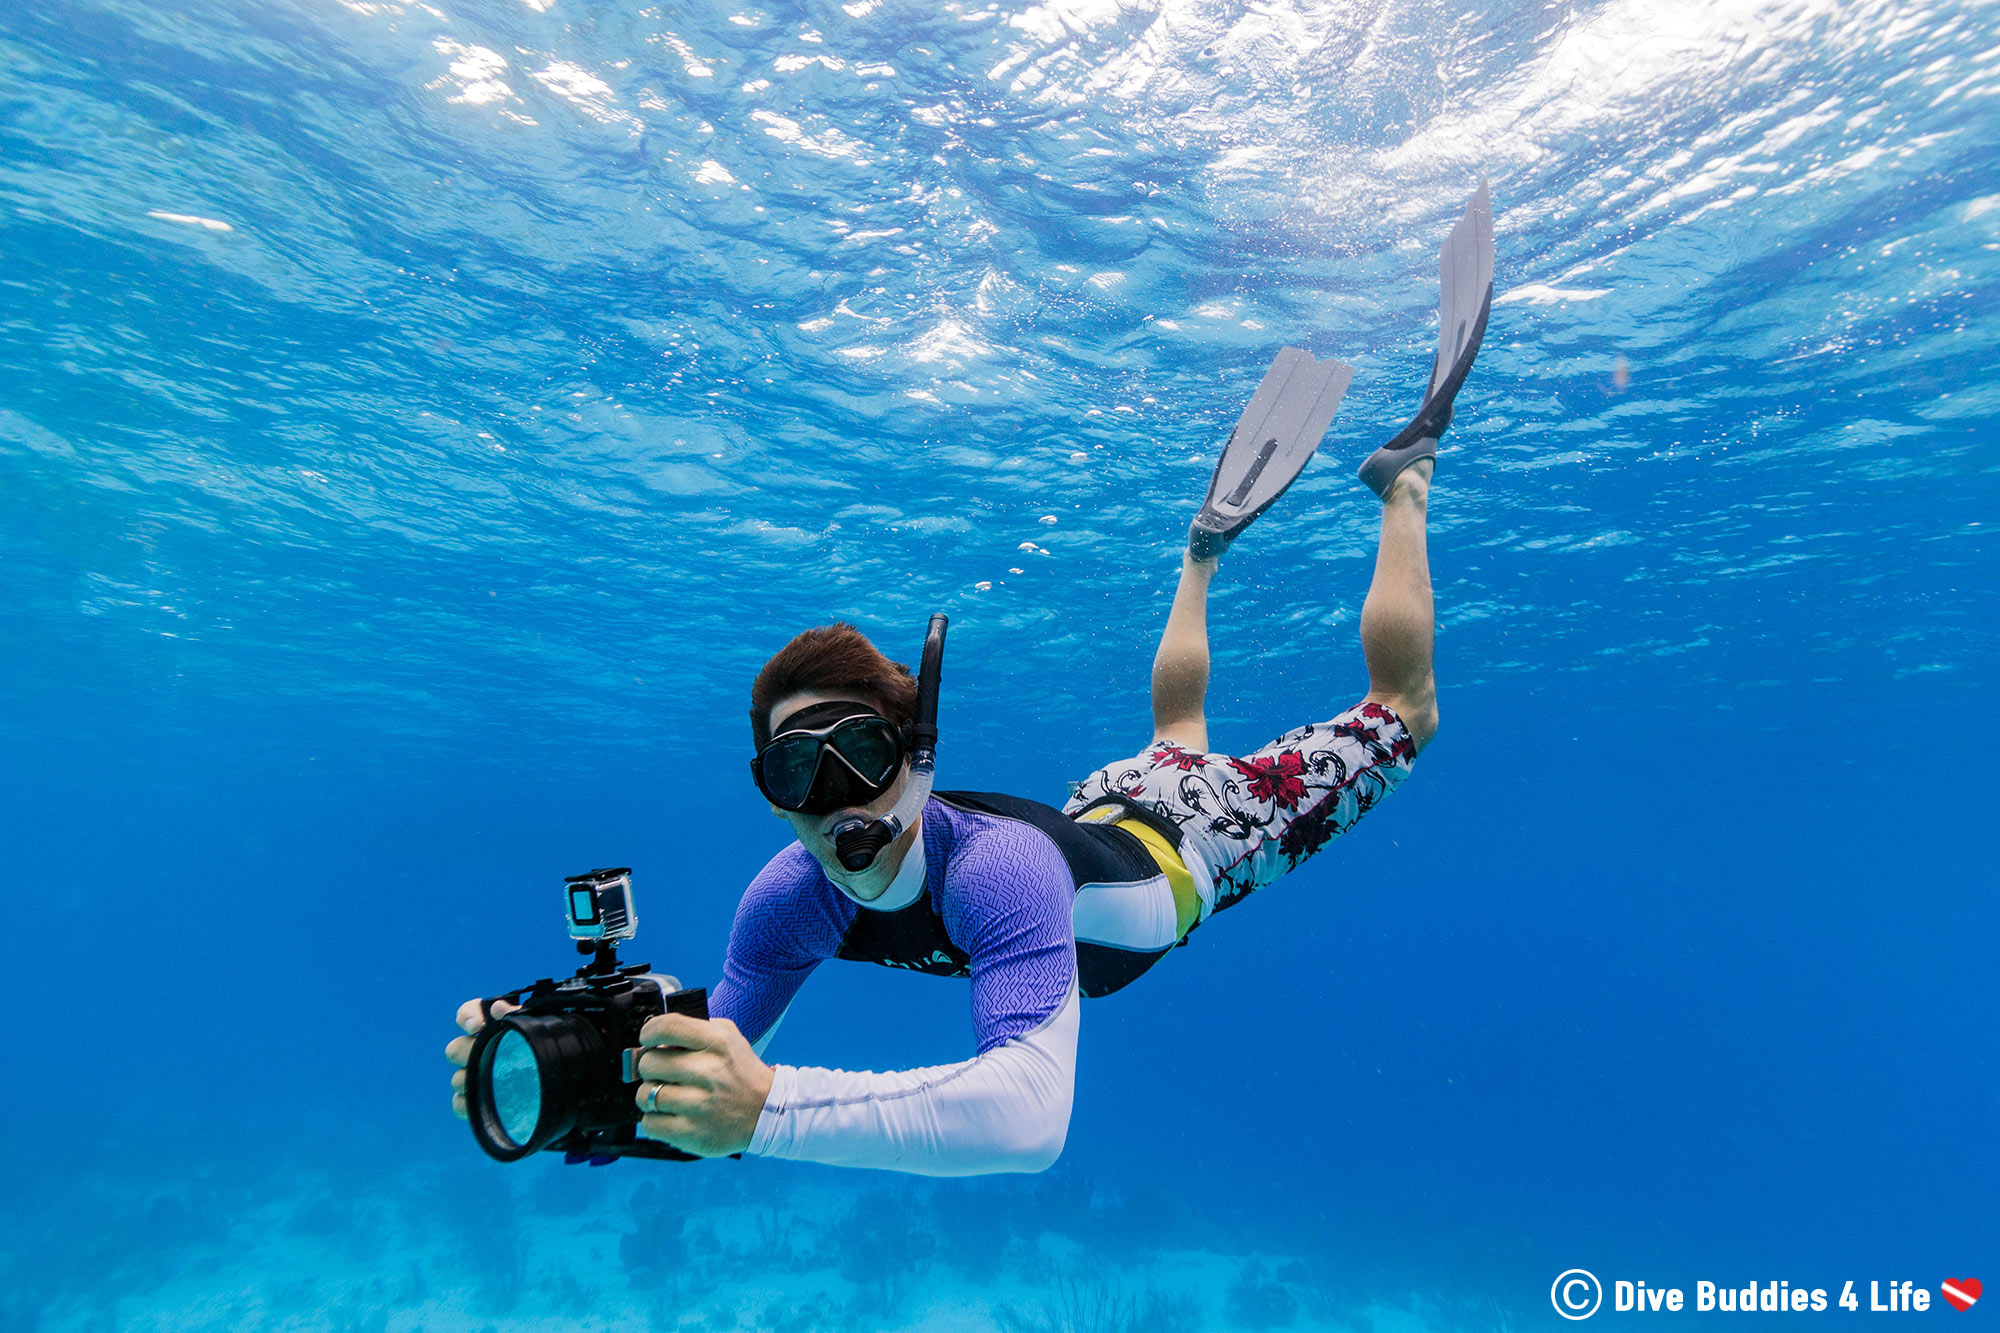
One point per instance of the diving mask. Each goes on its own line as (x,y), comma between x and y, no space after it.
(829,757)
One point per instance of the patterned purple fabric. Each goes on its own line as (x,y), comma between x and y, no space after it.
(998,888)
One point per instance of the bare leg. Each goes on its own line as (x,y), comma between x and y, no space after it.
(1398,623)
(1180,667)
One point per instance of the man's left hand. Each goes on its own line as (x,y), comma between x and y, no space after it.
(703,1086)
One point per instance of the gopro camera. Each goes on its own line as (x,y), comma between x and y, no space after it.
(600,906)
(555,1074)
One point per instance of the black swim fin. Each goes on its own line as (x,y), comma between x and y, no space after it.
(1273,441)
(1465,275)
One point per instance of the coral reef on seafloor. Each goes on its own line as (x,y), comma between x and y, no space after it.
(354,1237)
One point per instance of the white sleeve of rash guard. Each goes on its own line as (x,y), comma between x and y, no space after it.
(1006,1110)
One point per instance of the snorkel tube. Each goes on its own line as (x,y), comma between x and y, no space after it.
(856,841)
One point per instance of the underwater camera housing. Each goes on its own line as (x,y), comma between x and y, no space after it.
(554,1075)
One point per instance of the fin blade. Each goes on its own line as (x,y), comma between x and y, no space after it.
(1465,287)
(1246,439)
(1276,436)
(1465,300)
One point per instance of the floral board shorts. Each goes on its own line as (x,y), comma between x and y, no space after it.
(1245,820)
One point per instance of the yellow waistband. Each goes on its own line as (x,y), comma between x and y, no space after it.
(1187,900)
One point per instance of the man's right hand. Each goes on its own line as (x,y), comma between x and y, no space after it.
(471,1018)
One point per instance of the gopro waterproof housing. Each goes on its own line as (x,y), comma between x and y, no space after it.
(555,1075)
(600,906)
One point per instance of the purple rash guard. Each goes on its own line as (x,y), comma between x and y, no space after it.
(993,904)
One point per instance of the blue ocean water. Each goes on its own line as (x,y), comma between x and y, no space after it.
(417,422)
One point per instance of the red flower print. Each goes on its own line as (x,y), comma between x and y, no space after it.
(1279,780)
(1370,739)
(1174,755)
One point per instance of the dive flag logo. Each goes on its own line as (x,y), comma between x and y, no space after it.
(1962,1292)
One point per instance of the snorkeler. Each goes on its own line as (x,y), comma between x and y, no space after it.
(1040,907)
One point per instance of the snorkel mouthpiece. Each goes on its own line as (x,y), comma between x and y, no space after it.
(857,842)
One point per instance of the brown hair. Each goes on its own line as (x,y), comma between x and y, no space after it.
(833,659)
